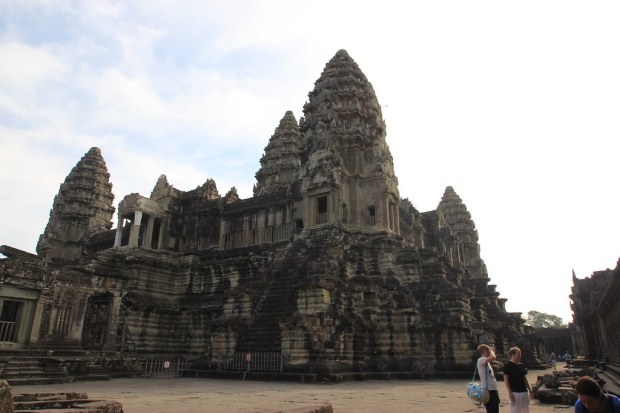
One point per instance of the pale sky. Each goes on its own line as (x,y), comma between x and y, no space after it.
(514,104)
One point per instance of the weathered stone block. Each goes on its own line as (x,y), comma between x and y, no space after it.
(6,399)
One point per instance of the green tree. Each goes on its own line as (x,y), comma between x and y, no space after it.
(537,319)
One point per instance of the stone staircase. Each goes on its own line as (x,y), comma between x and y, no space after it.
(23,370)
(22,367)
(263,334)
(279,302)
(610,372)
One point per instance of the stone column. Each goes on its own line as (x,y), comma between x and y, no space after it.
(148,236)
(223,230)
(77,324)
(260,227)
(114,316)
(307,211)
(396,216)
(134,235)
(119,232)
(35,328)
(163,227)
(385,215)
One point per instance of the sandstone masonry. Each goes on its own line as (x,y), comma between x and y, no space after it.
(325,270)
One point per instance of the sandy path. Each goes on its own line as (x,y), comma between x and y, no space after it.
(187,395)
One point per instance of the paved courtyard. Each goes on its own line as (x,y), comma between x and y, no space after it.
(189,395)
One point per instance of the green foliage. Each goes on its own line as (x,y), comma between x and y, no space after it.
(537,319)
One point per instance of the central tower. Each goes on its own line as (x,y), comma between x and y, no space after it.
(347,172)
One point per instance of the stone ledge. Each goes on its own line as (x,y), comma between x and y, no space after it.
(53,402)
(334,378)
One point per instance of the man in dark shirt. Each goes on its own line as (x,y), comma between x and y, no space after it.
(516,383)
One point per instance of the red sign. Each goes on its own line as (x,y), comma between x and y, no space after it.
(248,357)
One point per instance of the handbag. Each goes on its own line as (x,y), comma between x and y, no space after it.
(475,391)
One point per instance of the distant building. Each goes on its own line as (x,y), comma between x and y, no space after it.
(557,340)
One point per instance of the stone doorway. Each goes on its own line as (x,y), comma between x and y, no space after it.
(9,319)
(96,322)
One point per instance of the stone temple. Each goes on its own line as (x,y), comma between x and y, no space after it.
(325,270)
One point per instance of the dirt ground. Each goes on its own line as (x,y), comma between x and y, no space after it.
(201,395)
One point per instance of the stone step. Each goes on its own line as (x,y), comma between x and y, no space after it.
(259,336)
(93,377)
(67,405)
(80,410)
(20,359)
(612,382)
(262,331)
(263,325)
(13,366)
(23,367)
(30,397)
(280,299)
(22,373)
(37,380)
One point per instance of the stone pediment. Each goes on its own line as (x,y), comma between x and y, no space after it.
(136,202)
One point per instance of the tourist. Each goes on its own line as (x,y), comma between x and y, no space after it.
(519,389)
(554,361)
(487,377)
(592,400)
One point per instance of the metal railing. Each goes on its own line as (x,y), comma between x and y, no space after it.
(165,367)
(253,361)
(8,330)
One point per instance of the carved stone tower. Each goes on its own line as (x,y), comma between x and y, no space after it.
(82,208)
(280,163)
(463,228)
(347,172)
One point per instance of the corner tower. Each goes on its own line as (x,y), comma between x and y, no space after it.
(280,163)
(463,228)
(82,208)
(347,172)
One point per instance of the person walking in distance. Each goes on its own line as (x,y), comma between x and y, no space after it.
(519,389)
(487,377)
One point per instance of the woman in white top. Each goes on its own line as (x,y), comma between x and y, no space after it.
(487,356)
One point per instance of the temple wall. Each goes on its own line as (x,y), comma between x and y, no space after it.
(191,306)
(378,316)
(608,314)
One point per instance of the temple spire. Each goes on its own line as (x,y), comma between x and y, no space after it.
(344,152)
(459,220)
(343,111)
(280,163)
(82,208)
